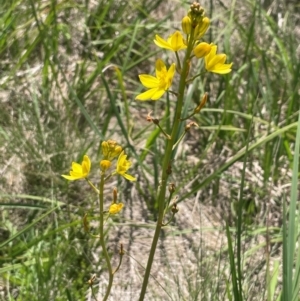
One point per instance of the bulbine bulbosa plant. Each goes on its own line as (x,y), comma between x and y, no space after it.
(191,42)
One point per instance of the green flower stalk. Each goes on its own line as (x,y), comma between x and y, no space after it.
(194,26)
(110,151)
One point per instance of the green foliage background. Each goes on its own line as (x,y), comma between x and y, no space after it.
(69,76)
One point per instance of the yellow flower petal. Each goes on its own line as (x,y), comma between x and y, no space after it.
(146,95)
(160,68)
(86,164)
(70,178)
(174,42)
(222,69)
(158,94)
(148,81)
(170,75)
(129,177)
(162,43)
(76,167)
(177,41)
(212,52)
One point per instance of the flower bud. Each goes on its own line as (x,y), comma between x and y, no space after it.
(201,28)
(202,50)
(172,188)
(85,222)
(115,195)
(104,165)
(115,208)
(202,103)
(110,149)
(91,280)
(196,13)
(121,252)
(186,24)
(174,209)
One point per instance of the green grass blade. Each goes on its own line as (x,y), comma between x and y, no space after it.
(26,228)
(237,157)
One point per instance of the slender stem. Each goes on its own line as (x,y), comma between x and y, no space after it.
(180,139)
(162,130)
(194,77)
(92,185)
(93,293)
(102,239)
(178,61)
(169,221)
(120,262)
(166,163)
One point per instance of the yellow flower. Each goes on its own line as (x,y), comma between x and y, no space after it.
(202,49)
(157,85)
(115,208)
(79,171)
(174,42)
(215,62)
(122,166)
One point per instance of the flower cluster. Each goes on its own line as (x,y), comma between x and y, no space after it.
(194,27)
(110,150)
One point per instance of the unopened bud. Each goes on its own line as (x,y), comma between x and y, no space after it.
(115,195)
(186,24)
(121,252)
(85,222)
(155,121)
(174,209)
(104,165)
(110,149)
(202,103)
(202,50)
(201,28)
(196,13)
(91,280)
(172,188)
